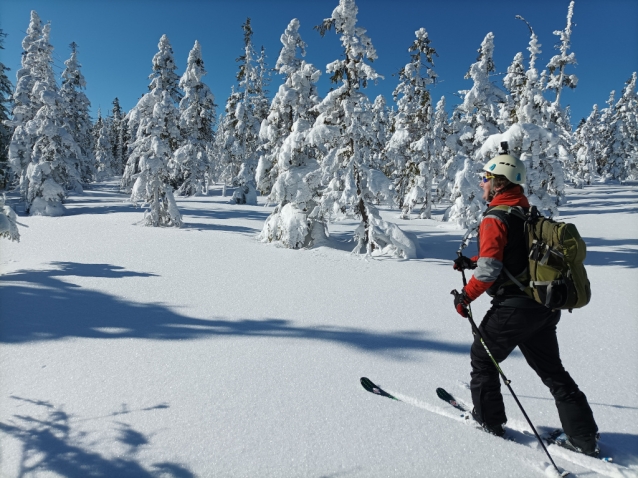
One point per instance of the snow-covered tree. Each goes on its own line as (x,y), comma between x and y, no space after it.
(104,153)
(632,126)
(119,137)
(287,168)
(558,78)
(239,130)
(42,150)
(627,125)
(479,117)
(483,102)
(342,134)
(25,102)
(466,207)
(606,133)
(412,123)
(442,152)
(163,75)
(587,149)
(618,124)
(196,122)
(97,127)
(8,224)
(6,131)
(76,113)
(156,139)
(153,150)
(514,82)
(260,101)
(226,148)
(382,118)
(163,79)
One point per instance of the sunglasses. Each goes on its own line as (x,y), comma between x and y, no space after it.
(486,177)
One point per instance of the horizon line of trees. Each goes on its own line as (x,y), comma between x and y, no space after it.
(317,159)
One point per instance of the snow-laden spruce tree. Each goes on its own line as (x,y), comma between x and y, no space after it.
(76,113)
(514,82)
(413,122)
(239,130)
(54,165)
(153,150)
(287,169)
(480,115)
(628,111)
(382,119)
(196,122)
(617,133)
(163,79)
(25,103)
(103,153)
(557,80)
(118,135)
(342,133)
(587,149)
(291,104)
(225,147)
(607,136)
(8,223)
(541,147)
(6,131)
(442,153)
(622,157)
(156,139)
(259,100)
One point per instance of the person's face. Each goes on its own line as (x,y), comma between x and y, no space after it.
(486,185)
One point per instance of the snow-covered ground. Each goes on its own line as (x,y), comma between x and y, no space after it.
(137,351)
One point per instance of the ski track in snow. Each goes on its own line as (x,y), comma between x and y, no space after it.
(523,435)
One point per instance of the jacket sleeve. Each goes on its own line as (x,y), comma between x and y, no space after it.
(493,238)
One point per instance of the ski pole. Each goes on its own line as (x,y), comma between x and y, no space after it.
(507,382)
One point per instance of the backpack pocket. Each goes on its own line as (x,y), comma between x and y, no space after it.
(551,288)
(552,295)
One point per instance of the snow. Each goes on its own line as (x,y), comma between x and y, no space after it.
(201,351)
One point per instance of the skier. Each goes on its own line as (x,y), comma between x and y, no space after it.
(515,319)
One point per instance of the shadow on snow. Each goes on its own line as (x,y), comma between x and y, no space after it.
(41,306)
(50,442)
(621,252)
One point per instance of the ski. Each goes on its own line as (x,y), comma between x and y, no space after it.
(371,387)
(447,397)
(559,438)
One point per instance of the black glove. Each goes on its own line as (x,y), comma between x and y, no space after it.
(463,263)
(461,302)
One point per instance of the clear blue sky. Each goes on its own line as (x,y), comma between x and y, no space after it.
(118,38)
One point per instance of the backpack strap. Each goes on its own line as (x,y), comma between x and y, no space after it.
(501,212)
(514,279)
(515,210)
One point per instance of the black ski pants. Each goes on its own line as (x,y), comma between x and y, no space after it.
(533,330)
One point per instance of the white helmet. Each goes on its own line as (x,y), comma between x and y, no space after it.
(508,166)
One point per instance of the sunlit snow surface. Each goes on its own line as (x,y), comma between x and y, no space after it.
(136,351)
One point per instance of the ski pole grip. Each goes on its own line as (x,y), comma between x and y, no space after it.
(462,270)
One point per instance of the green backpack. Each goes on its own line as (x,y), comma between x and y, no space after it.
(556,276)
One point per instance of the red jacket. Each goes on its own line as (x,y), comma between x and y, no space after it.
(493,238)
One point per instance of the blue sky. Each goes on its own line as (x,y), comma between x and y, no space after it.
(118,38)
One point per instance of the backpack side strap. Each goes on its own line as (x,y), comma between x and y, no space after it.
(515,280)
